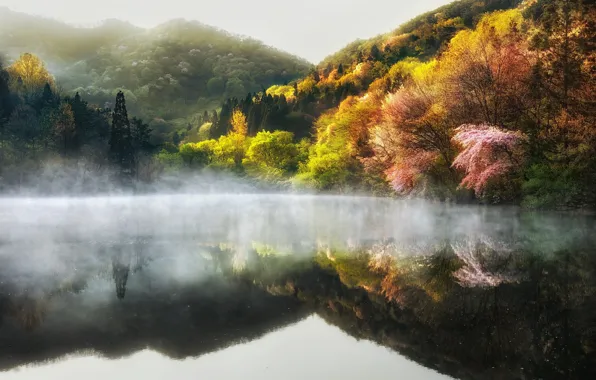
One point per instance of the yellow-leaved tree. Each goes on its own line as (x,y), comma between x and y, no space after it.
(239,124)
(29,75)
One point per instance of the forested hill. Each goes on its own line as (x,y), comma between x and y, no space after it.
(423,36)
(479,101)
(171,71)
(364,66)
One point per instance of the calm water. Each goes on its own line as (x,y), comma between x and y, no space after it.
(293,287)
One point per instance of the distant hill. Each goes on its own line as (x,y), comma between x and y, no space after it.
(171,71)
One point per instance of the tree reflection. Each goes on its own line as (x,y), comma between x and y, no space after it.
(468,308)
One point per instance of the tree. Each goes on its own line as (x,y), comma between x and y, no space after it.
(413,143)
(65,128)
(48,98)
(489,153)
(141,135)
(375,53)
(29,75)
(6,104)
(239,125)
(485,72)
(272,154)
(121,146)
(563,139)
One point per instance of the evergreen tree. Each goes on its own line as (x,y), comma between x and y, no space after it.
(48,98)
(316,76)
(141,135)
(359,57)
(6,105)
(375,53)
(340,69)
(121,147)
(328,69)
(80,109)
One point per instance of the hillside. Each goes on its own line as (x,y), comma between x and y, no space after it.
(479,101)
(171,71)
(363,66)
(423,36)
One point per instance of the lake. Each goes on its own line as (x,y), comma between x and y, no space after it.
(270,286)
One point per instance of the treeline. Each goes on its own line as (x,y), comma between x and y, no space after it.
(40,127)
(170,72)
(505,113)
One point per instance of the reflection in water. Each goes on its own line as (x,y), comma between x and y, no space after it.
(330,354)
(120,271)
(470,293)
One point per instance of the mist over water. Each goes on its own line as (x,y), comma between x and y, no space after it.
(205,268)
(41,237)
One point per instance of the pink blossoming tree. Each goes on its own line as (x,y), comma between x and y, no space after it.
(488,152)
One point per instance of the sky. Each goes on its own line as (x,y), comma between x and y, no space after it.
(311,29)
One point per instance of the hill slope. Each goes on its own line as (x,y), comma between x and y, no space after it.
(363,66)
(170,71)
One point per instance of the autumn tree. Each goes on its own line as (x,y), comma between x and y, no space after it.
(29,75)
(238,121)
(485,72)
(562,171)
(414,140)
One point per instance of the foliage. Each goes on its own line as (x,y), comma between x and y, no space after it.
(29,75)
(288,91)
(239,125)
(273,155)
(477,101)
(488,152)
(163,71)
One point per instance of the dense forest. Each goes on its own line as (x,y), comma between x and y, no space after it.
(169,74)
(478,101)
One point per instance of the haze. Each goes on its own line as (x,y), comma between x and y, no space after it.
(311,29)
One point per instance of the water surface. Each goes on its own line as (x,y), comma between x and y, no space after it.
(279,286)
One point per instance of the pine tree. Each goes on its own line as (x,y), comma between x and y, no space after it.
(340,69)
(375,53)
(6,105)
(121,146)
(48,98)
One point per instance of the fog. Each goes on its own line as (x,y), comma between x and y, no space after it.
(179,266)
(42,238)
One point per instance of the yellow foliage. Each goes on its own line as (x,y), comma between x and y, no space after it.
(239,124)
(29,74)
(307,85)
(362,69)
(287,91)
(496,25)
(403,68)
(425,72)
